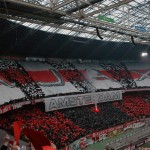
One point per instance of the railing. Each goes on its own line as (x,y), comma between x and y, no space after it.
(130,138)
(90,139)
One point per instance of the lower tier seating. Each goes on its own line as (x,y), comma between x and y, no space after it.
(107,116)
(55,126)
(65,126)
(134,105)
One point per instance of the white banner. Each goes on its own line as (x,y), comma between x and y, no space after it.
(9,107)
(55,103)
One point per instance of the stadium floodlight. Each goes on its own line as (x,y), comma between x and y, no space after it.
(144,54)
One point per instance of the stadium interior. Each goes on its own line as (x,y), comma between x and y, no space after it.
(74,74)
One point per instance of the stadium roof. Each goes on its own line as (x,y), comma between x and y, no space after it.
(112,20)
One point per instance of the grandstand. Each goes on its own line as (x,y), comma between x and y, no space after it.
(74,74)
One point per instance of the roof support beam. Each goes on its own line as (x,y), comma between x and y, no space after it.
(84,5)
(61,5)
(109,7)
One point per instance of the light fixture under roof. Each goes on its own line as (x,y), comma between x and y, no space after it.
(144,54)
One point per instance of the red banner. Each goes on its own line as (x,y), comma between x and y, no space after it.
(36,138)
(17,130)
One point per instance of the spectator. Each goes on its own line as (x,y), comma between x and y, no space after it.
(7,144)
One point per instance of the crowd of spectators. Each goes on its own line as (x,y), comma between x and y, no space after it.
(15,73)
(93,121)
(72,74)
(60,130)
(120,72)
(65,126)
(135,105)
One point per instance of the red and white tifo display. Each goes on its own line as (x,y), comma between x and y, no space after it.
(24,79)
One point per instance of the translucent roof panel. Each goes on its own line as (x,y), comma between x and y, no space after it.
(114,20)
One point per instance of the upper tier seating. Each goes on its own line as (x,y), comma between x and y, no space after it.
(20,79)
(48,79)
(72,74)
(140,73)
(15,73)
(101,79)
(121,74)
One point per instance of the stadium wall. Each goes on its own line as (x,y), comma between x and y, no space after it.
(102,135)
